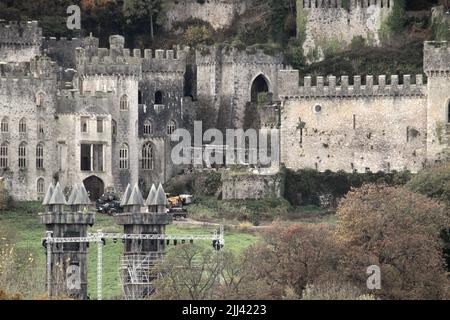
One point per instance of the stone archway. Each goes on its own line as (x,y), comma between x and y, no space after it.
(95,187)
(259,85)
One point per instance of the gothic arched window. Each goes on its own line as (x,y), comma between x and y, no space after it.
(23,125)
(4,155)
(40,126)
(158,97)
(22,155)
(114,127)
(171,127)
(147,156)
(124,103)
(148,127)
(40,186)
(123,157)
(40,100)
(4,126)
(40,156)
(448,112)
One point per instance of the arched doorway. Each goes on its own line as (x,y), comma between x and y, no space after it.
(95,187)
(259,85)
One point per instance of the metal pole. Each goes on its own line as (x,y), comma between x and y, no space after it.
(49,262)
(99,265)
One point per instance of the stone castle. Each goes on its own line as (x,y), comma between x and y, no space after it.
(71,111)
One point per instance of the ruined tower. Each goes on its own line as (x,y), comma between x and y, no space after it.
(437,68)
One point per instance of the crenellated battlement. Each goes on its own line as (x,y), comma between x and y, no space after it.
(354,4)
(20,33)
(38,68)
(118,60)
(436,57)
(344,86)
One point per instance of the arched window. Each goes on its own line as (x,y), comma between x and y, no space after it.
(40,100)
(22,155)
(4,155)
(140,97)
(40,156)
(114,127)
(259,86)
(124,103)
(22,125)
(4,127)
(123,157)
(40,126)
(147,156)
(171,127)
(158,97)
(40,186)
(148,127)
(448,112)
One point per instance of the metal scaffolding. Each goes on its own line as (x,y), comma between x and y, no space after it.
(136,269)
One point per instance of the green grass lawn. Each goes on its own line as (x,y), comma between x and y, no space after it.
(21,226)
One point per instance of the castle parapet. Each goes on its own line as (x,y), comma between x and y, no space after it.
(92,60)
(338,4)
(20,33)
(331,86)
(436,57)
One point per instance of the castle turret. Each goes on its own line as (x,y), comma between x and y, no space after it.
(437,68)
(19,41)
(67,262)
(140,253)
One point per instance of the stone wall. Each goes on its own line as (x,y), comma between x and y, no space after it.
(241,186)
(18,90)
(437,68)
(330,25)
(219,13)
(19,41)
(354,127)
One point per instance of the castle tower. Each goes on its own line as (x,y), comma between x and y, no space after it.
(116,72)
(67,263)
(437,68)
(19,41)
(141,254)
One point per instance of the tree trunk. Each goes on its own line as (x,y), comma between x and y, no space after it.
(152,35)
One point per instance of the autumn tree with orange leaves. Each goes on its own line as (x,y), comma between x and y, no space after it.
(399,231)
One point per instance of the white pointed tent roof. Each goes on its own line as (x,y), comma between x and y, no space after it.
(151,196)
(48,195)
(82,197)
(57,196)
(73,195)
(126,196)
(160,199)
(136,198)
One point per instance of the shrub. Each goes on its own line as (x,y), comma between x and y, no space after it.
(433,182)
(5,199)
(334,291)
(302,254)
(308,186)
(196,35)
